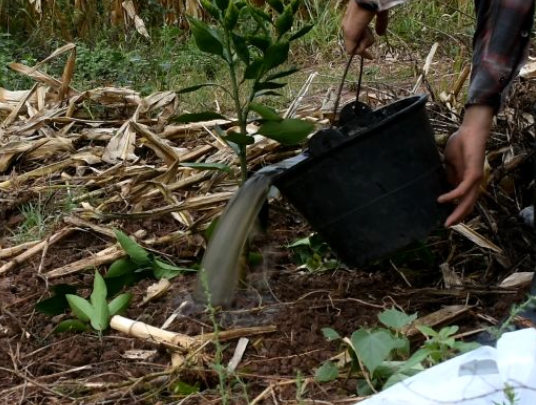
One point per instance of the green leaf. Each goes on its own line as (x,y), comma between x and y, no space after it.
(281,74)
(259,42)
(241,47)
(300,242)
(330,334)
(427,331)
(182,388)
(267,86)
(254,70)
(101,315)
(277,5)
(81,307)
(212,10)
(196,87)
(239,139)
(231,16)
(276,55)
(119,304)
(71,325)
(138,254)
(207,39)
(222,4)
(208,166)
(394,319)
(287,131)
(295,4)
(372,347)
(327,372)
(162,269)
(199,117)
(416,359)
(56,304)
(303,31)
(265,112)
(261,13)
(121,267)
(255,259)
(284,22)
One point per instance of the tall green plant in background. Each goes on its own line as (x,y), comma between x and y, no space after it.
(252,43)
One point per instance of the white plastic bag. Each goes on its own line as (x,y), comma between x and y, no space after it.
(475,378)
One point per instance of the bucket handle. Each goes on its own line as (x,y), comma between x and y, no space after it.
(341,85)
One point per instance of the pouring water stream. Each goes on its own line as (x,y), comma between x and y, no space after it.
(220,264)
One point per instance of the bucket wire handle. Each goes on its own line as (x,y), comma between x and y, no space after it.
(341,85)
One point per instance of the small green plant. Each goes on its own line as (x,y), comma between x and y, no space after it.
(97,311)
(382,355)
(313,254)
(138,265)
(252,43)
(510,395)
(517,310)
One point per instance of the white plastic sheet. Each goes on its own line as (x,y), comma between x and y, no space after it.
(475,378)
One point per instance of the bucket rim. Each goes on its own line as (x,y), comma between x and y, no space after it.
(420,100)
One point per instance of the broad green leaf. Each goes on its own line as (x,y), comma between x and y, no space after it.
(222,4)
(288,131)
(56,304)
(241,47)
(277,5)
(81,307)
(239,139)
(281,74)
(268,86)
(199,117)
(327,372)
(268,93)
(231,16)
(402,344)
(121,267)
(265,112)
(211,8)
(99,292)
(426,330)
(182,388)
(209,166)
(259,42)
(276,55)
(196,87)
(207,39)
(372,347)
(284,22)
(330,334)
(303,31)
(119,304)
(394,319)
(71,325)
(101,315)
(254,70)
(138,254)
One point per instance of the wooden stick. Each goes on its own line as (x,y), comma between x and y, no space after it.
(105,256)
(34,250)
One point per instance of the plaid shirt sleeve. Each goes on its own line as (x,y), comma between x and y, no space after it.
(500,46)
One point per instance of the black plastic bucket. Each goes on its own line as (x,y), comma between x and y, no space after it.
(376,191)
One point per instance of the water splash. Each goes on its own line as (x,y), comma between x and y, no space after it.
(221,262)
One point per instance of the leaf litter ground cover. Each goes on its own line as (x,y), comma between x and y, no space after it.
(78,164)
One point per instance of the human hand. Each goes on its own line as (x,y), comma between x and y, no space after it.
(464,159)
(357,34)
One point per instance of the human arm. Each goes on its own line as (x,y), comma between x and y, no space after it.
(500,46)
